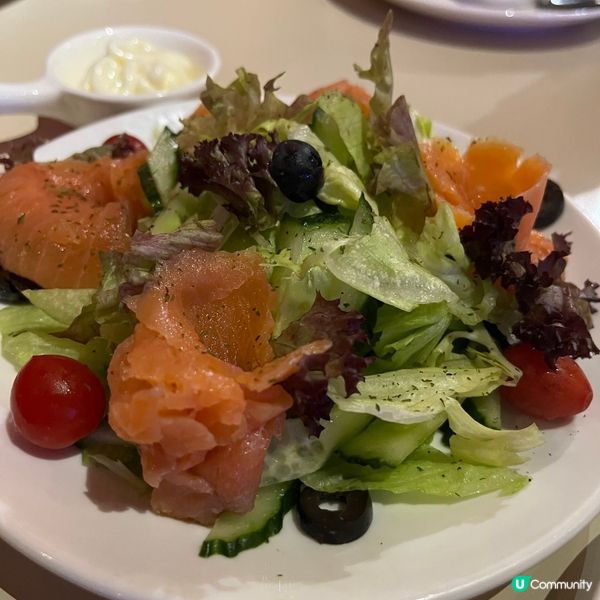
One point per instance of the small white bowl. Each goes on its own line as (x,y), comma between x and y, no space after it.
(59,93)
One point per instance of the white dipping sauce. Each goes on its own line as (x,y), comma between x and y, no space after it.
(134,67)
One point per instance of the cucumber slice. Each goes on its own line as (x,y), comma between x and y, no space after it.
(149,186)
(486,410)
(233,533)
(295,454)
(167,221)
(158,175)
(386,443)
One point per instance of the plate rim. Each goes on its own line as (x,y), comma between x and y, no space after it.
(515,18)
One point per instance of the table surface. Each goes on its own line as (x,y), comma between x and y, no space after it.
(539,89)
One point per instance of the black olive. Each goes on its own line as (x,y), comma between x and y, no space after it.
(553,204)
(346,523)
(11,286)
(297,169)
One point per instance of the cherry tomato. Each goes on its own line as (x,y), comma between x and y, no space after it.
(545,393)
(55,401)
(124,145)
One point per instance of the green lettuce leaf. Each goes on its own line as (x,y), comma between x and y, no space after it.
(238,108)
(438,250)
(39,328)
(105,318)
(418,394)
(423,125)
(297,285)
(380,73)
(19,349)
(182,206)
(438,476)
(342,187)
(408,338)
(478,349)
(23,317)
(515,440)
(350,125)
(477,444)
(378,264)
(400,183)
(484,452)
(64,305)
(49,311)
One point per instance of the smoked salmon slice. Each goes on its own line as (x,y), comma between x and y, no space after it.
(57,218)
(196,386)
(489,170)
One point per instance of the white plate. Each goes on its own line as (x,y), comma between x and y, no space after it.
(89,529)
(521,14)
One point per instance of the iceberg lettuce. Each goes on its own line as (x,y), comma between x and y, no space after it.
(475,443)
(437,476)
(406,339)
(414,395)
(378,264)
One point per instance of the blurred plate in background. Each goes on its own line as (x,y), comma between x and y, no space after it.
(519,14)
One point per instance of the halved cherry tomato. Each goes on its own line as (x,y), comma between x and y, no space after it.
(124,145)
(545,393)
(55,401)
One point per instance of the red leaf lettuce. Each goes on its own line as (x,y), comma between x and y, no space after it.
(555,314)
(308,386)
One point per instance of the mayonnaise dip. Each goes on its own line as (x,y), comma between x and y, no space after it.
(134,67)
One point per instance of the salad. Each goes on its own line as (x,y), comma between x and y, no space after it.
(286,305)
